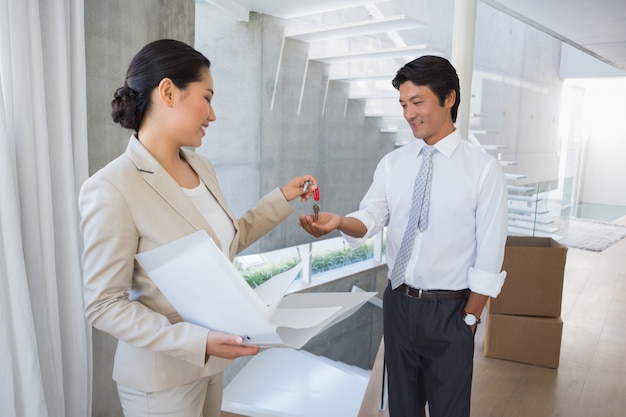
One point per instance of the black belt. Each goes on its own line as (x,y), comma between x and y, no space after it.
(433,295)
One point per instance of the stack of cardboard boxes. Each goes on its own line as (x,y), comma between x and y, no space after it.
(524,322)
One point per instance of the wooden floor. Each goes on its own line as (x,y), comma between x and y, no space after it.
(591,378)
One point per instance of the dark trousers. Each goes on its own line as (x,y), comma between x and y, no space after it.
(429,354)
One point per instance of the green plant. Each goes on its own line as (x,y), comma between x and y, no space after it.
(340,257)
(326,261)
(256,276)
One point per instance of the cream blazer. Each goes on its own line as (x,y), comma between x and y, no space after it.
(133,205)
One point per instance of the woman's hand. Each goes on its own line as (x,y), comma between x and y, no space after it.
(296,188)
(228,346)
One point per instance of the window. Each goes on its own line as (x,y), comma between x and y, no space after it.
(319,258)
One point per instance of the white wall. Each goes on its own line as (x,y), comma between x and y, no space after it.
(577,64)
(604,174)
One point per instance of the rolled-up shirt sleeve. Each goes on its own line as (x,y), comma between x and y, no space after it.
(486,283)
(369,223)
(373,211)
(486,277)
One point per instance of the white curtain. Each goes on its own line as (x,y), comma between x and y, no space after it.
(45,342)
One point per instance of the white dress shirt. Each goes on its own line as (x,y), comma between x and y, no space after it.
(463,245)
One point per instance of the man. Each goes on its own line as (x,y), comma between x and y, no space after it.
(445,262)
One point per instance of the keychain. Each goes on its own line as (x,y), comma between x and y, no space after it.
(316,207)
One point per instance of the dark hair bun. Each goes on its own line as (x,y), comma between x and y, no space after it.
(124,108)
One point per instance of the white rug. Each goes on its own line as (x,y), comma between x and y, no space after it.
(592,235)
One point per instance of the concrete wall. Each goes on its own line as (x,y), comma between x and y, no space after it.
(277,119)
(115,30)
(517,88)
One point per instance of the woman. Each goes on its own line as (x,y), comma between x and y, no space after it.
(154,193)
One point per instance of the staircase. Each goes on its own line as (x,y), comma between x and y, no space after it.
(369,72)
(366,54)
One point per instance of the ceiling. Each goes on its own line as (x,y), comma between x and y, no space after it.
(597,27)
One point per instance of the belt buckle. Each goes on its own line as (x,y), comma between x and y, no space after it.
(408,289)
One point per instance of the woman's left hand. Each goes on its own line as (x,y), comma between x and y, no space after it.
(296,188)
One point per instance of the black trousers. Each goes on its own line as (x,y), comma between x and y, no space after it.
(429,353)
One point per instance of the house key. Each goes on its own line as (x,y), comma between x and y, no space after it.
(316,207)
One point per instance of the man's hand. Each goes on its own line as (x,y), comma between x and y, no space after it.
(326,223)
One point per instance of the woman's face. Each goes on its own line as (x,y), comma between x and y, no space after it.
(194,110)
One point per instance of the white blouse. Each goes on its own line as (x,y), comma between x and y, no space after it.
(214,214)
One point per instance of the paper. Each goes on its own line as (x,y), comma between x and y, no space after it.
(206,289)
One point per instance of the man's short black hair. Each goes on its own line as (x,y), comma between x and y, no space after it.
(435,72)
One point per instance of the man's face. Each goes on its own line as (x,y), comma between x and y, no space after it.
(427,118)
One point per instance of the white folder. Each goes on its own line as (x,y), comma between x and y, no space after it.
(206,289)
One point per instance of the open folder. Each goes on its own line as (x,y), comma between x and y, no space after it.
(206,289)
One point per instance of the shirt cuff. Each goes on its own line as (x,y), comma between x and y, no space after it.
(486,283)
(355,242)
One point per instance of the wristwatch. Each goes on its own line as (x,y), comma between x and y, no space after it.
(470,319)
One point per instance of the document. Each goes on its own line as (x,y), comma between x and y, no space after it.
(206,289)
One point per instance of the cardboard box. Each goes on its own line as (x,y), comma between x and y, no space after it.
(533,340)
(534,281)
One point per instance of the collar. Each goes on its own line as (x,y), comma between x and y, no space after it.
(143,159)
(446,145)
(164,185)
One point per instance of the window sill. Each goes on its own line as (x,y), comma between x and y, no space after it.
(334,275)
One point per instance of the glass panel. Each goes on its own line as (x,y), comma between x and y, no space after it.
(327,255)
(258,268)
(336,253)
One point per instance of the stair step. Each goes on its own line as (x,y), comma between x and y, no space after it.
(514,176)
(533,226)
(400,52)
(536,219)
(387,130)
(482,132)
(374,95)
(533,211)
(350,369)
(494,147)
(365,27)
(385,114)
(525,232)
(520,188)
(294,383)
(364,77)
(530,198)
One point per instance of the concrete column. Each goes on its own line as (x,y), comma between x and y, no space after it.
(463,34)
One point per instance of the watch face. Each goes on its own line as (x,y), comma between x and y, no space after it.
(470,319)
